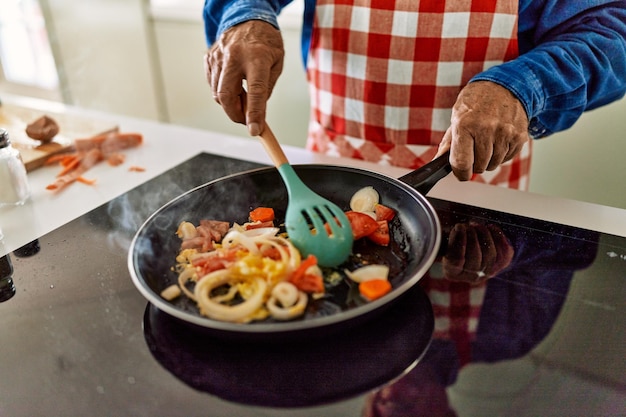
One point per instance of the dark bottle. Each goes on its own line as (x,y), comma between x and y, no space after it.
(7,288)
(28,249)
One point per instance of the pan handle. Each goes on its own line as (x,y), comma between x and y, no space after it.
(425,178)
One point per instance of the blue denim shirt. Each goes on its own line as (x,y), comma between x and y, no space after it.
(572,53)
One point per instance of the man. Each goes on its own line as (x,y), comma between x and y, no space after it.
(398,82)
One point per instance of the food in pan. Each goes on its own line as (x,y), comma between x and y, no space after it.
(252,272)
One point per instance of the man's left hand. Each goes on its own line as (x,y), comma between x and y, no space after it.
(489,127)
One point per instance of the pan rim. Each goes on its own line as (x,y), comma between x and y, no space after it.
(261,328)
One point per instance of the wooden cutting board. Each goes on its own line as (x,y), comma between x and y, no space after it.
(15,119)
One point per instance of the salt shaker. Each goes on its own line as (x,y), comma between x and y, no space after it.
(14,187)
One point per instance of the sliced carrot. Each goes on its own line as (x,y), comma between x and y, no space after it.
(59,158)
(116,159)
(374,288)
(70,166)
(262,214)
(135,168)
(86,181)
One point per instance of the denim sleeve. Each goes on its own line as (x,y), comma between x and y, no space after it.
(572,59)
(219,15)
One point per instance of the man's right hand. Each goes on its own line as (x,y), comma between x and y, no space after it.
(252,51)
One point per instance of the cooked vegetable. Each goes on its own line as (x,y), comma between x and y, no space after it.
(380,236)
(362,224)
(262,214)
(248,272)
(171,292)
(307,277)
(286,302)
(384,213)
(368,272)
(364,200)
(374,289)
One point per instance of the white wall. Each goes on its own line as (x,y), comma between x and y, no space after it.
(586,162)
(104,54)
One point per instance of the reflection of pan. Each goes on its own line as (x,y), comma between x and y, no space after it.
(416,237)
(295,374)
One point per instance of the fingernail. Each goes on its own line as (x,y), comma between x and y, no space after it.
(253,129)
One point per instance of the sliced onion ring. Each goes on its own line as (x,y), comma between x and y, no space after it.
(368,272)
(237,313)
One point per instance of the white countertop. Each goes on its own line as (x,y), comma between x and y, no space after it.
(165,146)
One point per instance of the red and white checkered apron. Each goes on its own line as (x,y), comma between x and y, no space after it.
(384,75)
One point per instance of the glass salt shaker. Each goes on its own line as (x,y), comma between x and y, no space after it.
(14,187)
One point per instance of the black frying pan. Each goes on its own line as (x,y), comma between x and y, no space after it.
(416,236)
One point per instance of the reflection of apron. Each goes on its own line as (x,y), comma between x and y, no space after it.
(385,74)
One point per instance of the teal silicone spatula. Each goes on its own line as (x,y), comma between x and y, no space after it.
(308,213)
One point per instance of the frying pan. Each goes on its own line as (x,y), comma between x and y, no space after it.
(415,239)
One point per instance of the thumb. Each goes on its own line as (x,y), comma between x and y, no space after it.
(445,144)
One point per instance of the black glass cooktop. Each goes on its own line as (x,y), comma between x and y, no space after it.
(516,317)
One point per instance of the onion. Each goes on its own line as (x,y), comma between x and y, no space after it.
(235,237)
(261,231)
(186,230)
(187,274)
(364,200)
(285,293)
(287,312)
(368,272)
(237,313)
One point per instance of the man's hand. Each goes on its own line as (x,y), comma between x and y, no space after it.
(252,51)
(489,127)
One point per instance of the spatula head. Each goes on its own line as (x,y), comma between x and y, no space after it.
(315,225)
(322,230)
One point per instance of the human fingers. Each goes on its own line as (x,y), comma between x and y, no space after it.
(489,127)
(259,86)
(445,144)
(461,152)
(249,53)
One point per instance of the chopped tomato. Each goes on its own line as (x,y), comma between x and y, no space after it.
(362,224)
(380,236)
(304,265)
(262,214)
(384,213)
(309,283)
(215,261)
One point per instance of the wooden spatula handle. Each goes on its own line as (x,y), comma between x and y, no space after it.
(272,146)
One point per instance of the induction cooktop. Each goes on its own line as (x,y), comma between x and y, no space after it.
(547,274)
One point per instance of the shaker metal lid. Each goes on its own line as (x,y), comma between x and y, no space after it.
(4,138)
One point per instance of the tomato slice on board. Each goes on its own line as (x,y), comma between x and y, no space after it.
(380,236)
(362,224)
(384,213)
